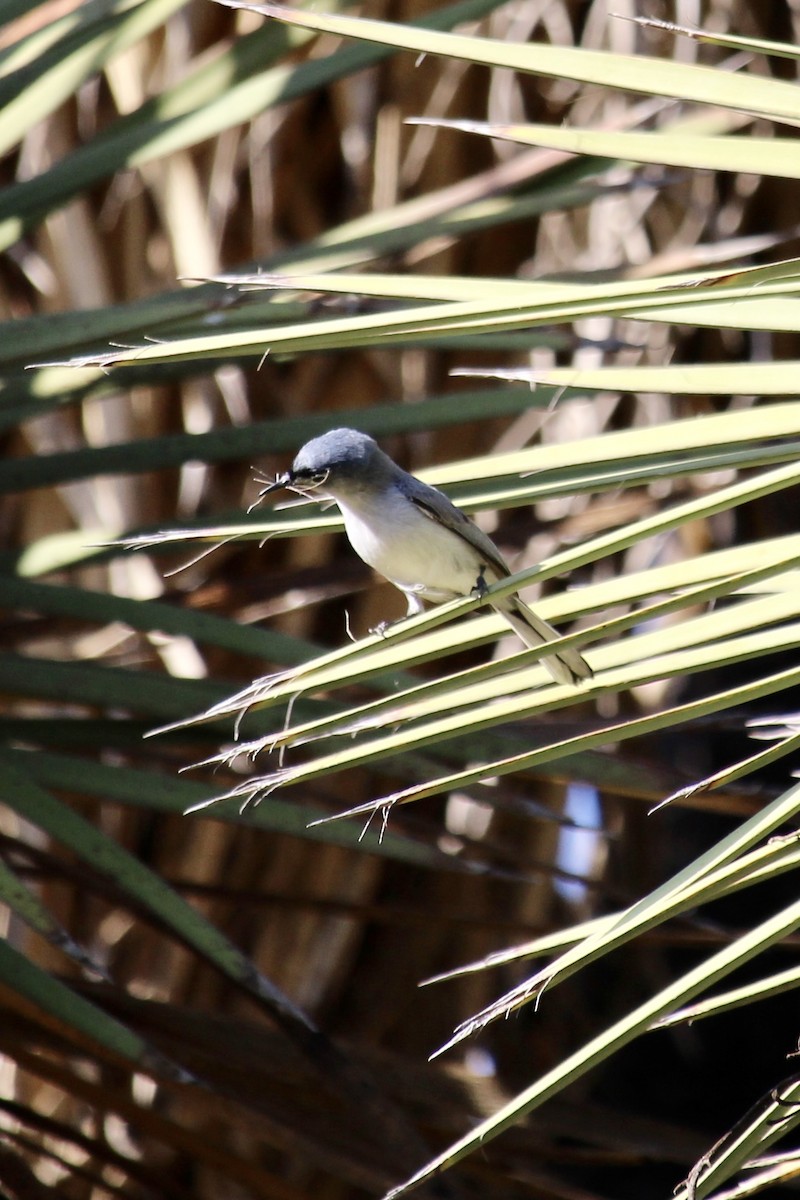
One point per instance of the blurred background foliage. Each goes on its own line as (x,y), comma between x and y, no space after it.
(225,1004)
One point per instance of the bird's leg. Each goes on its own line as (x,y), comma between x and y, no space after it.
(480,587)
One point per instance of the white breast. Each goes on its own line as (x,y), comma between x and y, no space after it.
(411,550)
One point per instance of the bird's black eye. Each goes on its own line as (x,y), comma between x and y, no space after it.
(310,479)
(318,477)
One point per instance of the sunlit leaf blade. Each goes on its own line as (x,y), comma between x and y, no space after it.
(728,866)
(776,156)
(729,41)
(761,989)
(721,379)
(489,684)
(772,305)
(474,722)
(772,1118)
(738,770)
(636,73)
(620,1033)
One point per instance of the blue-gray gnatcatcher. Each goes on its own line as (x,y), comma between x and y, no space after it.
(410,533)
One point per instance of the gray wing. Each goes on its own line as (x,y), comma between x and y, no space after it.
(567,666)
(436,506)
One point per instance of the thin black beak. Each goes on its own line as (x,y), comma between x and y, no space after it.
(281,481)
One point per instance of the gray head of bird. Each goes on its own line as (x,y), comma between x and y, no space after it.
(340,461)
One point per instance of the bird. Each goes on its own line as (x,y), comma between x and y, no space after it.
(414,536)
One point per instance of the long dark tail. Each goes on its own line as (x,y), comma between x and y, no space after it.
(566,666)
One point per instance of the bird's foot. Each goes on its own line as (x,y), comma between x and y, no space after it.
(480,587)
(383,628)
